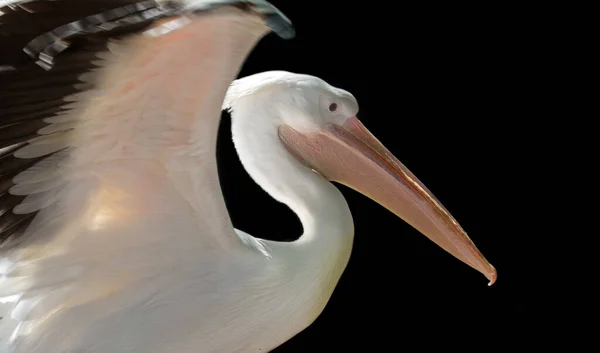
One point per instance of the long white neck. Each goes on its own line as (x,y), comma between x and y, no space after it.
(325,245)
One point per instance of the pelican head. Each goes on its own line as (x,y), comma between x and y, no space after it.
(290,130)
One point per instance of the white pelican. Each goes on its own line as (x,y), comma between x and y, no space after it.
(115,233)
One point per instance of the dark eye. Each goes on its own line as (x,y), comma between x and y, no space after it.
(332,107)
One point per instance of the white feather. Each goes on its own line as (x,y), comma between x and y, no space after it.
(50,129)
(45,145)
(81,96)
(63,117)
(35,188)
(47,169)
(90,76)
(24,307)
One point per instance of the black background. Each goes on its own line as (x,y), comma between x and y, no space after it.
(449,91)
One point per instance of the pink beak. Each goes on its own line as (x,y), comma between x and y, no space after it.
(351,155)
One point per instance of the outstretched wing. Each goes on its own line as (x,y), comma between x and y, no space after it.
(108,176)
(35,81)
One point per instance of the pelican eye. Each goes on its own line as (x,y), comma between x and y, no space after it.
(332,107)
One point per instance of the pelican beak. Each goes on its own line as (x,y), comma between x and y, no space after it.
(349,154)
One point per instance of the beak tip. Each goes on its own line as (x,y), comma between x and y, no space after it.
(492,276)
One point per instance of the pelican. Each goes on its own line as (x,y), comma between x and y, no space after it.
(115,234)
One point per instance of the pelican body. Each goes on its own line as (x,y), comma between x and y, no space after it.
(119,239)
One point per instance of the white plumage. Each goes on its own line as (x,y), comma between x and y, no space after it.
(132,249)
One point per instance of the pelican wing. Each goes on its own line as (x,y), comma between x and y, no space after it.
(108,174)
